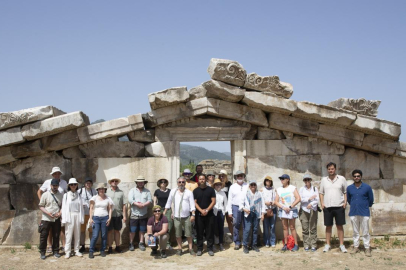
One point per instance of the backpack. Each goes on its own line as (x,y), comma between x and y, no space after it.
(291,242)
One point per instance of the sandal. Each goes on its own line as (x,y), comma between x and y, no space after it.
(49,249)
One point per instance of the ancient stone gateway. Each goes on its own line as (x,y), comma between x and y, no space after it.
(270,134)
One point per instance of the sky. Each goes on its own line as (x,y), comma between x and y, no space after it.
(105,57)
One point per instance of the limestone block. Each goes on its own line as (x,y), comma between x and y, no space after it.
(112,128)
(326,159)
(18,118)
(168,97)
(72,152)
(401,150)
(399,168)
(234,111)
(162,149)
(5,198)
(269,103)
(269,134)
(197,92)
(112,148)
(5,223)
(357,159)
(386,166)
(142,135)
(325,113)
(340,135)
(268,84)
(360,106)
(24,196)
(372,125)
(293,124)
(379,145)
(6,175)
(84,167)
(5,155)
(227,71)
(388,190)
(61,141)
(251,134)
(27,149)
(11,136)
(24,228)
(223,91)
(35,170)
(388,218)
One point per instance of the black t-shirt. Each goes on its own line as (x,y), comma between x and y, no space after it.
(162,197)
(203,197)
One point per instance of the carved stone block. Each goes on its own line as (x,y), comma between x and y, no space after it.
(72,152)
(227,71)
(269,134)
(269,102)
(112,148)
(360,105)
(61,141)
(142,135)
(268,84)
(223,91)
(168,97)
(27,149)
(379,127)
(11,136)
(5,155)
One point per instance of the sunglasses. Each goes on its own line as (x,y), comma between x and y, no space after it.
(307,179)
(116,181)
(181,182)
(73,184)
(187,174)
(253,185)
(157,211)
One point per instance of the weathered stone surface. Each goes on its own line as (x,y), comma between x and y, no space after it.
(401,150)
(72,152)
(325,113)
(168,97)
(35,170)
(372,125)
(293,124)
(84,167)
(11,136)
(268,84)
(197,92)
(251,134)
(5,198)
(18,118)
(399,168)
(112,128)
(379,145)
(388,218)
(202,129)
(388,190)
(142,135)
(61,141)
(6,175)
(223,91)
(361,105)
(357,159)
(386,166)
(54,125)
(340,135)
(162,149)
(24,228)
(112,148)
(269,134)
(269,103)
(5,155)
(227,71)
(27,149)
(24,196)
(5,223)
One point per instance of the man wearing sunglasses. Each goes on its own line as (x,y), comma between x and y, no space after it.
(360,198)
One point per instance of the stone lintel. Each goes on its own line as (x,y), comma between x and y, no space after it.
(269,103)
(11,136)
(375,126)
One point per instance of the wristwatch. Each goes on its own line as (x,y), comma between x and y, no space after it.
(290,206)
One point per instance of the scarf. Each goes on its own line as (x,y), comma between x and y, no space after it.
(255,202)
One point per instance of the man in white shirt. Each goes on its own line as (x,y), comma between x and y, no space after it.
(235,197)
(182,203)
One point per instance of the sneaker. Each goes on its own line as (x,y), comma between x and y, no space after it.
(314,249)
(326,248)
(273,246)
(192,252)
(236,247)
(42,256)
(306,249)
(78,254)
(199,253)
(343,249)
(67,255)
(179,252)
(168,247)
(118,250)
(211,253)
(284,248)
(354,250)
(82,249)
(57,255)
(163,254)
(221,248)
(102,253)
(267,246)
(245,249)
(131,248)
(110,250)
(154,252)
(91,256)
(255,248)
(368,252)
(295,248)
(141,246)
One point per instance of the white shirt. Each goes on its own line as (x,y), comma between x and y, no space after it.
(63,186)
(305,194)
(269,196)
(100,206)
(86,196)
(245,204)
(188,203)
(287,196)
(221,202)
(333,191)
(236,195)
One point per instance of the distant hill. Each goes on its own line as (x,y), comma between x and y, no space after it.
(197,154)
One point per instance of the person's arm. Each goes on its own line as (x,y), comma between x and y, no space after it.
(370,197)
(168,204)
(200,209)
(229,199)
(149,200)
(39,193)
(110,209)
(149,229)
(164,229)
(315,200)
(124,212)
(42,208)
(91,212)
(344,189)
(225,202)
(155,201)
(345,200)
(213,201)
(321,194)
(349,195)
(192,206)
(281,206)
(303,198)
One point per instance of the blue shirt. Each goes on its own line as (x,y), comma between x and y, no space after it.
(360,199)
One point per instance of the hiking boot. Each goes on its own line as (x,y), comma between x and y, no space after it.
(163,254)
(131,248)
(295,248)
(211,253)
(154,252)
(118,250)
(199,253)
(141,246)
(326,248)
(245,249)
(57,255)
(368,252)
(91,256)
(354,250)
(110,250)
(43,256)
(82,249)
(222,247)
(343,249)
(255,248)
(192,252)
(102,253)
(179,252)
(284,248)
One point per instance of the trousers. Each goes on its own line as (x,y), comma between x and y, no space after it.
(360,223)
(72,230)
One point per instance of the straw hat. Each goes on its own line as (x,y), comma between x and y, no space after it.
(218,181)
(56,169)
(140,178)
(101,185)
(114,178)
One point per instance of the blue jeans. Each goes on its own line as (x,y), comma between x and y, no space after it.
(237,221)
(251,221)
(220,225)
(99,225)
(269,229)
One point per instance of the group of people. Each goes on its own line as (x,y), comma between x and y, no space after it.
(197,209)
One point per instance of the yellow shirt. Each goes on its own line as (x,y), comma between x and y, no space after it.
(191,185)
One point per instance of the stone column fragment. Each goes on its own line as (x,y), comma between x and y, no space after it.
(168,97)
(227,71)
(268,84)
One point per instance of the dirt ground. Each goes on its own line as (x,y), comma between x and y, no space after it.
(270,258)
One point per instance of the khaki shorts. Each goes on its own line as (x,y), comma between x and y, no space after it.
(184,223)
(83,226)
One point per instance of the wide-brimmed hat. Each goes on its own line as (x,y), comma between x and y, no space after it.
(223,172)
(307,176)
(56,169)
(162,180)
(101,185)
(210,173)
(114,178)
(218,181)
(238,173)
(187,171)
(73,181)
(140,178)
